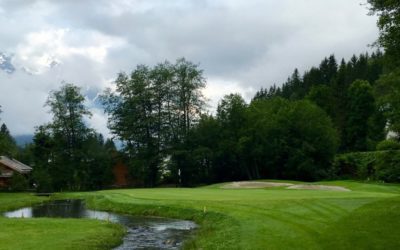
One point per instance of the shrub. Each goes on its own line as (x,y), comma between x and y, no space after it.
(388,166)
(376,165)
(388,145)
(18,182)
(43,181)
(354,165)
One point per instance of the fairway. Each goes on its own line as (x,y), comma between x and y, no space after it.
(272,218)
(262,218)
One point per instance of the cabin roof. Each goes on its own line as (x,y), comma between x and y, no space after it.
(15,165)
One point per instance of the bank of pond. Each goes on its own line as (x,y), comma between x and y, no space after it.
(141,232)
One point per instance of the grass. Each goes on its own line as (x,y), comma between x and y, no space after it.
(277,218)
(9,201)
(58,234)
(45,233)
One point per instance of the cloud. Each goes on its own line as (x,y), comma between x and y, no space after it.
(242,45)
(43,49)
(218,88)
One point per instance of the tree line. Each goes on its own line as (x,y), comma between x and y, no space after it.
(347,93)
(158,114)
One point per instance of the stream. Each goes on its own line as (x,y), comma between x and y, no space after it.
(142,232)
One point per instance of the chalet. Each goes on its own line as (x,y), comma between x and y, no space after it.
(10,166)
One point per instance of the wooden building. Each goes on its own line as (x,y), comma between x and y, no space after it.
(10,166)
(121,174)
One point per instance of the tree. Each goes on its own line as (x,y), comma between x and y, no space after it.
(68,109)
(189,82)
(328,69)
(60,149)
(361,107)
(7,142)
(43,153)
(389,27)
(152,111)
(68,131)
(66,153)
(388,91)
(231,116)
(322,95)
(8,145)
(98,161)
(293,140)
(18,182)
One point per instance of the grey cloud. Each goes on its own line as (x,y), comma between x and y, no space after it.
(250,43)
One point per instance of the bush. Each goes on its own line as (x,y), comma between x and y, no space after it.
(354,165)
(18,183)
(376,165)
(43,181)
(388,166)
(388,145)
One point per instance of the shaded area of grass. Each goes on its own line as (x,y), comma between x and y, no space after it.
(373,226)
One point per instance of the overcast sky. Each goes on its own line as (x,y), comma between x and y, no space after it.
(240,45)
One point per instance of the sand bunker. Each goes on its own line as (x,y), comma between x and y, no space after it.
(255,184)
(319,187)
(262,184)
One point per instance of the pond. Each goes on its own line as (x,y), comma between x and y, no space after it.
(142,232)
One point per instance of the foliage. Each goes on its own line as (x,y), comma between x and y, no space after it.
(354,166)
(66,153)
(388,90)
(152,111)
(388,166)
(292,140)
(273,138)
(18,182)
(377,165)
(389,27)
(68,110)
(7,142)
(42,180)
(329,86)
(388,145)
(360,109)
(322,95)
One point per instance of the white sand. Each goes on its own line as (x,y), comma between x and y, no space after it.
(264,184)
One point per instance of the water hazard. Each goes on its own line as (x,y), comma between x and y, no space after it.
(142,232)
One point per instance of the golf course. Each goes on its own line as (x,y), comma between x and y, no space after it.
(259,215)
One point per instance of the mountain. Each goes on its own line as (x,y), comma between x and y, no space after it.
(22,140)
(5,63)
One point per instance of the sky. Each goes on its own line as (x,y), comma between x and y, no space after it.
(242,45)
